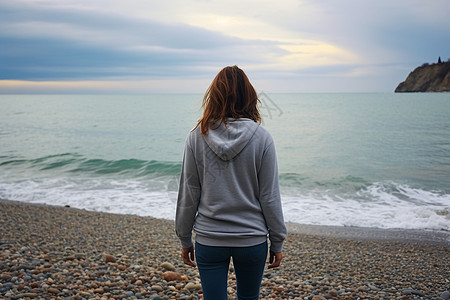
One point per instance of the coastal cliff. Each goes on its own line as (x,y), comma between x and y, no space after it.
(427,78)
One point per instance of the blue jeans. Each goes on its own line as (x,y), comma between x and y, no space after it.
(213,263)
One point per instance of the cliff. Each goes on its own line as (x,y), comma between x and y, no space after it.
(427,78)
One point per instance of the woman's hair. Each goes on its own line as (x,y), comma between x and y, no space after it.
(230,95)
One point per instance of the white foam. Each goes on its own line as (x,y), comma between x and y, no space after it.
(122,197)
(375,206)
(379,205)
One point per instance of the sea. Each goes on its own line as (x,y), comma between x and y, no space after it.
(377,160)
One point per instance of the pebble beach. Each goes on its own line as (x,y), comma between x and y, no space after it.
(55,252)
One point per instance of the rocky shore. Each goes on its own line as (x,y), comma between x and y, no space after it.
(51,252)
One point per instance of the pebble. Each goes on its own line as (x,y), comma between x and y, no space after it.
(64,253)
(26,295)
(172,276)
(110,258)
(445,295)
(168,266)
(193,286)
(157,288)
(53,290)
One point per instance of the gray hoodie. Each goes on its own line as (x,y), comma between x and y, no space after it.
(229,193)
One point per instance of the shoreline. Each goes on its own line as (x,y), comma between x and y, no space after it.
(61,252)
(372,234)
(330,231)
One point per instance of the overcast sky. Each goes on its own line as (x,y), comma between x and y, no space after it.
(137,46)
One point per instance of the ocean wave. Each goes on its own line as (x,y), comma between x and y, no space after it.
(149,188)
(77,164)
(379,205)
(121,196)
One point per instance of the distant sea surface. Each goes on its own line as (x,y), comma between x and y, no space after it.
(366,160)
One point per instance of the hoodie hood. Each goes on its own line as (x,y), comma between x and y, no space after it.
(227,141)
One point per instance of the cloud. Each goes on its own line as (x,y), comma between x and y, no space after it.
(386,31)
(325,42)
(76,44)
(116,86)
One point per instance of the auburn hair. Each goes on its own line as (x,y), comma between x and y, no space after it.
(230,95)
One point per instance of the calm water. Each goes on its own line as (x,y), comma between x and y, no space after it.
(371,160)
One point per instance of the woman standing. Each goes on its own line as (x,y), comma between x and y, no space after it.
(229,193)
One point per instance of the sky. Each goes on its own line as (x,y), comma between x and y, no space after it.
(178,46)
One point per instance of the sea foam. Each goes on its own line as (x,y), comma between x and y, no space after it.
(377,206)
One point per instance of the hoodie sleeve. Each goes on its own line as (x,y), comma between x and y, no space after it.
(270,199)
(188,198)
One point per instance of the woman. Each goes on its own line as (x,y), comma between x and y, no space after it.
(229,193)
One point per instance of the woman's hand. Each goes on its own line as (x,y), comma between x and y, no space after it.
(275,259)
(188,256)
